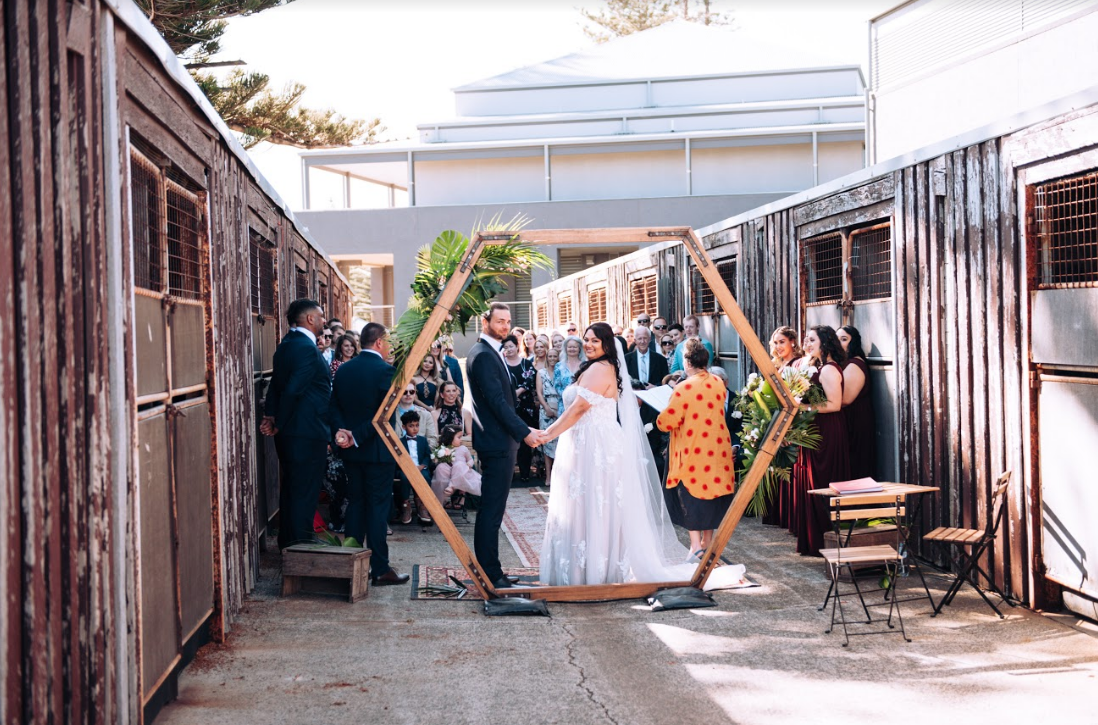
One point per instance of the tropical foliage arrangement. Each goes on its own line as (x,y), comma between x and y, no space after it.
(437,262)
(756,404)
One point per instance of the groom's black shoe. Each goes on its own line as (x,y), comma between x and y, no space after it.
(511,578)
(389,578)
(504,582)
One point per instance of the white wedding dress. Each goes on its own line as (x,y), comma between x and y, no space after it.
(607,523)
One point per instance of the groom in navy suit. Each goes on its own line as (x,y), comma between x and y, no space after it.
(296,414)
(497,431)
(357,394)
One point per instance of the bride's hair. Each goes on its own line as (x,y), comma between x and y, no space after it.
(605,334)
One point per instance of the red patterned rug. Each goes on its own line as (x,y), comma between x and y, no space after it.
(524,523)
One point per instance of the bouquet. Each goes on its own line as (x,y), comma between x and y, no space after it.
(442,454)
(756,405)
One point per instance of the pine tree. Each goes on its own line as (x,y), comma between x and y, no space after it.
(625,17)
(245,101)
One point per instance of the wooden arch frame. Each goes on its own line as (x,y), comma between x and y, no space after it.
(772,440)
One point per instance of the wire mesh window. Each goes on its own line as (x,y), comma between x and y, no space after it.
(542,315)
(322,297)
(184,242)
(1066,217)
(301,283)
(564,310)
(823,267)
(643,298)
(148,246)
(871,263)
(262,258)
(727,271)
(702,299)
(596,305)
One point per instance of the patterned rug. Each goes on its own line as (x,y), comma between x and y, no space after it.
(524,523)
(442,582)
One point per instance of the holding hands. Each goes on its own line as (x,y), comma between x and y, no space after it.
(344,439)
(267,427)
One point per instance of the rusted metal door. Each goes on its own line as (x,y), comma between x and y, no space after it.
(175,495)
(1063,271)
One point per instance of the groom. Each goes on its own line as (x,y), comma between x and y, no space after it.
(497,431)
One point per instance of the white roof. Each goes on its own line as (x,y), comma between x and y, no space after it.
(673,50)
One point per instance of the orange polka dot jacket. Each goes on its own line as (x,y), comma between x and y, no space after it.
(700,452)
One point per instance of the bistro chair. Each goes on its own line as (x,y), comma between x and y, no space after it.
(978,540)
(843,560)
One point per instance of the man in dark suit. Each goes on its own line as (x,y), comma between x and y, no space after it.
(295,412)
(357,394)
(497,431)
(647,368)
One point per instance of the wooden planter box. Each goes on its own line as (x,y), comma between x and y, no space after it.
(884,535)
(318,569)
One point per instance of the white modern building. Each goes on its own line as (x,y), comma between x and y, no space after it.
(939,68)
(680,125)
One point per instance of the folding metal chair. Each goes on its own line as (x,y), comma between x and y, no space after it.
(847,557)
(979,540)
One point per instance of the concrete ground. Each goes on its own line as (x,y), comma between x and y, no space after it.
(760,657)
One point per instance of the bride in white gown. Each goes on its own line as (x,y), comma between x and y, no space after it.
(607,522)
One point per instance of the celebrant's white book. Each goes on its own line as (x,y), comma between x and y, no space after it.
(657,397)
(858,485)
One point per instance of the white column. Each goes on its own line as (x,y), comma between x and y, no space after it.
(689,170)
(346,189)
(411,179)
(306,194)
(815,159)
(548,176)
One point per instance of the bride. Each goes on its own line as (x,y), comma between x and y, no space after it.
(607,522)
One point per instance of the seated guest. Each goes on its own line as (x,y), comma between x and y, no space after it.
(690,329)
(449,411)
(700,478)
(427,426)
(452,481)
(420,453)
(861,422)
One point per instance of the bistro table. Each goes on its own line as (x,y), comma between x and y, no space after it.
(903,490)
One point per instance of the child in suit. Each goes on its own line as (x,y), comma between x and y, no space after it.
(420,453)
(453,480)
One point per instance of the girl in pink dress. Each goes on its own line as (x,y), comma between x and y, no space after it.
(451,481)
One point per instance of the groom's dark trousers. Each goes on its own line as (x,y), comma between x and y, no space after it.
(497,430)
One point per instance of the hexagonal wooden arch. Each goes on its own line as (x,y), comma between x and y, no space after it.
(772,439)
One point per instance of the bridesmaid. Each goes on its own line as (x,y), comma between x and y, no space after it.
(784,352)
(861,422)
(831,461)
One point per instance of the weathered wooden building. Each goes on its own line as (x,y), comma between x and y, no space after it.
(145,265)
(971,269)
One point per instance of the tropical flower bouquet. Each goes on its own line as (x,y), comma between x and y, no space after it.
(756,405)
(442,454)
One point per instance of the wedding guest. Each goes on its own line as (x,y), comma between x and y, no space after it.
(556,341)
(570,329)
(344,349)
(644,320)
(659,326)
(690,329)
(427,426)
(784,350)
(335,322)
(324,344)
(336,329)
(449,411)
(831,460)
(520,334)
(420,453)
(440,365)
(358,392)
(295,412)
(861,422)
(647,367)
(734,424)
(523,378)
(676,332)
(529,340)
(549,404)
(451,481)
(700,478)
(565,371)
(452,364)
(541,347)
(630,339)
(667,348)
(674,379)
(427,382)
(618,330)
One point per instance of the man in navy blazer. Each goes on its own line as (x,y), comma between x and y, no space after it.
(497,431)
(647,368)
(296,414)
(358,392)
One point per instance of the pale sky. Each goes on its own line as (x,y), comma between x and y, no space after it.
(398,59)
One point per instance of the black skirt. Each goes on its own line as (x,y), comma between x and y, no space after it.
(695,514)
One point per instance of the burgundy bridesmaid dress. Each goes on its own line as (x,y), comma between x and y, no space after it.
(861,427)
(818,469)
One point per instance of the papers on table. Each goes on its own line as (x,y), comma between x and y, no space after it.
(657,397)
(858,485)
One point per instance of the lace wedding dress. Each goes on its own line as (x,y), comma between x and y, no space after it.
(607,523)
